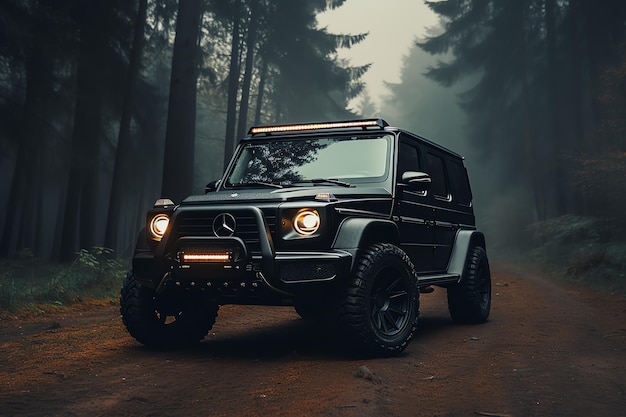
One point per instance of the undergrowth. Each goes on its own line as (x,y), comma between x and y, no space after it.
(26,281)
(584,251)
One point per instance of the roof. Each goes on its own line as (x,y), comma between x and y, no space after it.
(264,131)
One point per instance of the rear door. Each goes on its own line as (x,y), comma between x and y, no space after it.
(443,217)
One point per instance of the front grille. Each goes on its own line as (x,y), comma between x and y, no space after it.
(200,223)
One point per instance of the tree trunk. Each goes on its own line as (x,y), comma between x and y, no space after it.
(579,61)
(125,157)
(247,77)
(559,191)
(233,88)
(82,190)
(533,155)
(18,226)
(178,163)
(260,94)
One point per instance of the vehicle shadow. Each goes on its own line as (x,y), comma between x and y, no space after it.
(296,337)
(300,338)
(266,334)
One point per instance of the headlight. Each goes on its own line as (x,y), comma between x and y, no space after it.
(158,225)
(306,222)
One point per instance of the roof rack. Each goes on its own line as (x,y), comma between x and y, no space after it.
(348,124)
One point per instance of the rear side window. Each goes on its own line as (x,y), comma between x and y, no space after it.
(462,190)
(437,172)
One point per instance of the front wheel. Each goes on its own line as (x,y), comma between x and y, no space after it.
(470,300)
(378,311)
(152,326)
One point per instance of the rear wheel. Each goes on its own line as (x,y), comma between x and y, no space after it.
(378,312)
(153,326)
(470,300)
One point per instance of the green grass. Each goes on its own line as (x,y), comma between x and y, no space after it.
(26,281)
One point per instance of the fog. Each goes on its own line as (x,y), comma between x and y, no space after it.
(404,96)
(107,106)
(391,33)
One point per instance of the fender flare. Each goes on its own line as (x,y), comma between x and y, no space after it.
(464,241)
(354,234)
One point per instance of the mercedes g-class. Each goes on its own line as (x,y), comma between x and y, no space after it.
(346,221)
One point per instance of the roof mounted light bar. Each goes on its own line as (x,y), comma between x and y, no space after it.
(379,123)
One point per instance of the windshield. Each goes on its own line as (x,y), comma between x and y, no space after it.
(287,161)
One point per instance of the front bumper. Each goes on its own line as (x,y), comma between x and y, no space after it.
(248,281)
(242,266)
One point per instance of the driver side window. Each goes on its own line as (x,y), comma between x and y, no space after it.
(408,158)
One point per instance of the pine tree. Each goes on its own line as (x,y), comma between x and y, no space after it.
(178,166)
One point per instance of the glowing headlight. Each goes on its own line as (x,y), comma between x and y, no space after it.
(306,222)
(158,225)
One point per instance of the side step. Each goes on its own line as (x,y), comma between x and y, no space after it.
(440,279)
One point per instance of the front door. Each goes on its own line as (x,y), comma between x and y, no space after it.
(413,212)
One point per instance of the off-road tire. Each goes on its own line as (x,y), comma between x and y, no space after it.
(470,300)
(377,314)
(144,322)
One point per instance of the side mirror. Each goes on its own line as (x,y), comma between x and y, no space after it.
(418,181)
(212,186)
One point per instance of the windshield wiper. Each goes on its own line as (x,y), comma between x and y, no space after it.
(261,183)
(324,181)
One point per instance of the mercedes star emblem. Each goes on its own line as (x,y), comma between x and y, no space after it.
(224,225)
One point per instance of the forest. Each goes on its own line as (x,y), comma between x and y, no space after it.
(541,118)
(106,105)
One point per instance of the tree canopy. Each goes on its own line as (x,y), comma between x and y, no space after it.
(542,74)
(97,97)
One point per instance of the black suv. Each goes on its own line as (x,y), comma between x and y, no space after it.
(347,221)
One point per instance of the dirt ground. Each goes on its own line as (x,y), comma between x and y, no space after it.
(546,351)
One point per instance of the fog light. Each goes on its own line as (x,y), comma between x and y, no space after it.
(206,257)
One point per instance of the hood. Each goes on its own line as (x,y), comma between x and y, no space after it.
(251,195)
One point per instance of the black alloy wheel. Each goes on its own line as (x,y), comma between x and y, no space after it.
(377,313)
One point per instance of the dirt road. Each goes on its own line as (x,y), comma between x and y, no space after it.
(546,351)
